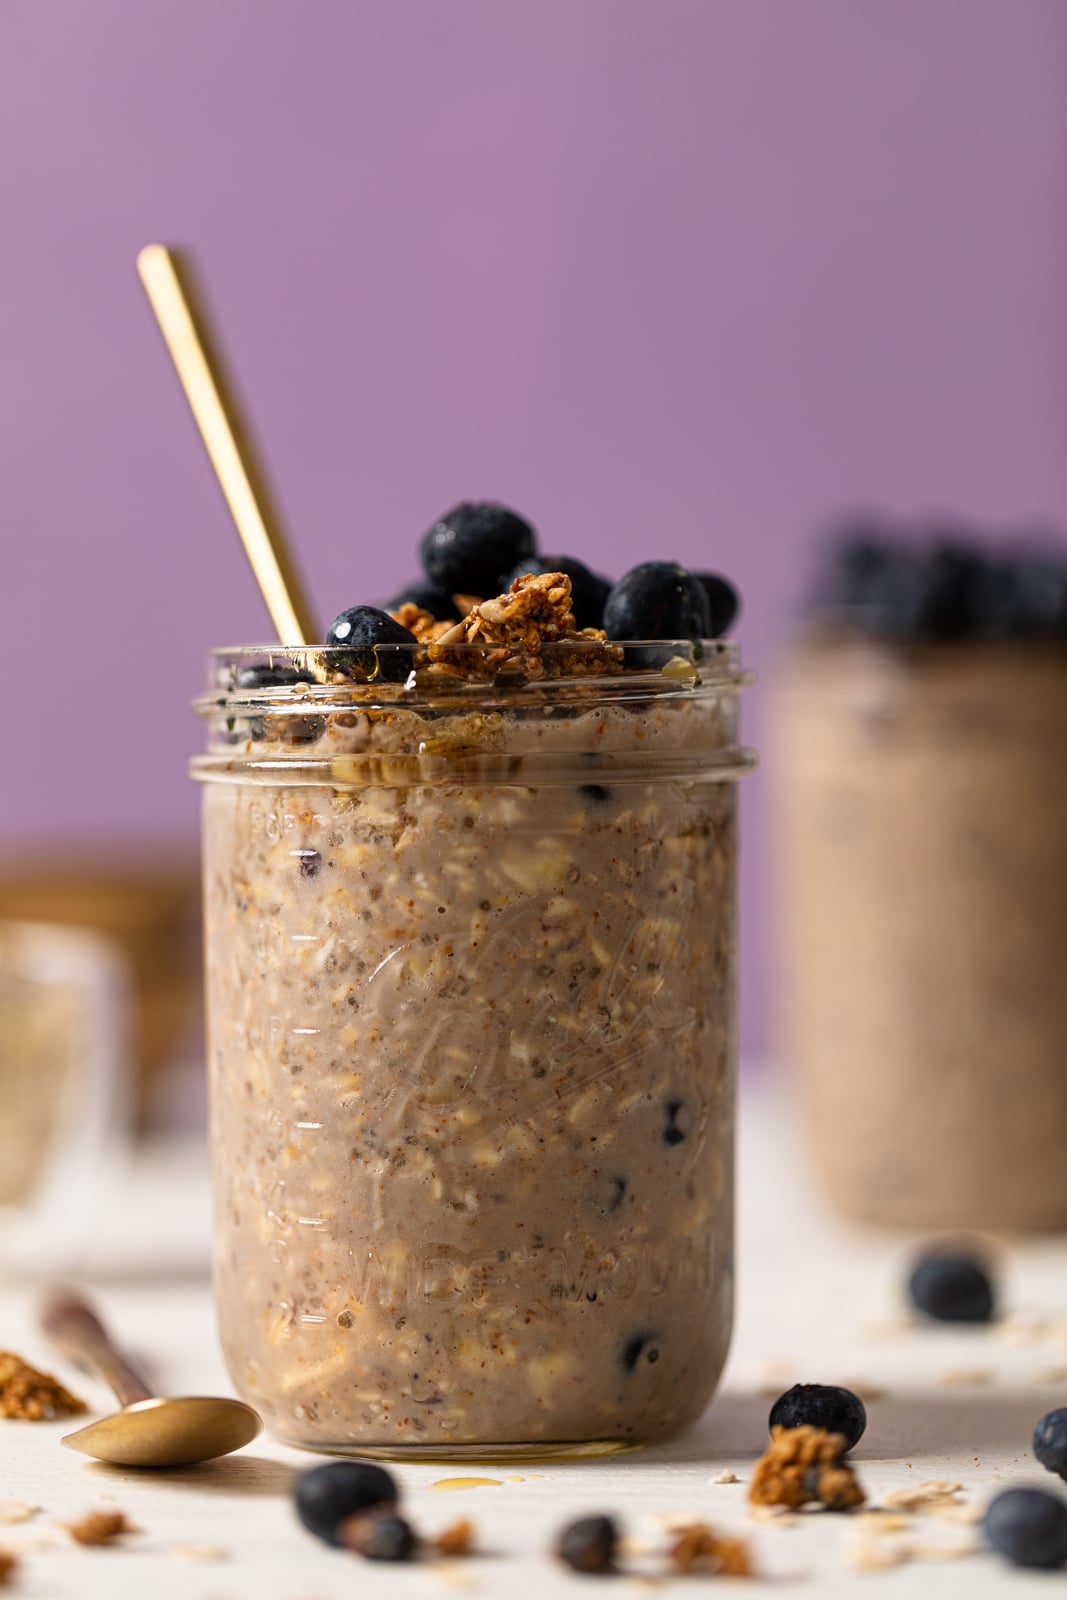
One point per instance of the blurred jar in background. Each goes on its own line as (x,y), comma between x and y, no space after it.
(64,1088)
(146,903)
(920,755)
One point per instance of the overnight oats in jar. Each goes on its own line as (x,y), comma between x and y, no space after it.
(471,969)
(922,841)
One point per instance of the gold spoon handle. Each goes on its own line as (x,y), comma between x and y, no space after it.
(74,1327)
(168,283)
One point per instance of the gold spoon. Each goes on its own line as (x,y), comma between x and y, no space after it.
(149,1431)
(168,282)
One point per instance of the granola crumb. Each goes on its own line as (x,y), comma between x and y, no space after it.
(1056,1375)
(1019,1332)
(457,1539)
(966,1378)
(936,1493)
(420,623)
(802,1465)
(699,1548)
(17,1511)
(777,1515)
(27,1395)
(921,1550)
(206,1553)
(875,1520)
(726,1476)
(99,1527)
(877,1556)
(868,1392)
(8,1566)
(953,1511)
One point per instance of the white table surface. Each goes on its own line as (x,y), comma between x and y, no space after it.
(817,1301)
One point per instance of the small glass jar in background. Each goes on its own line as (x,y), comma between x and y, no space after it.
(64,1089)
(471,968)
(921,827)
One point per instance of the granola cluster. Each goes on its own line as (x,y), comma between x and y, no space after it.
(801,1466)
(27,1395)
(100,1527)
(699,1548)
(8,1566)
(535,611)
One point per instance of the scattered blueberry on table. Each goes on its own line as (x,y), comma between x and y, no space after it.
(1050,1441)
(821,1405)
(589,1544)
(379,1534)
(952,1286)
(1029,1526)
(326,1496)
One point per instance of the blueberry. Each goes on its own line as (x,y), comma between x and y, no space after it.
(638,1345)
(722,600)
(672,1133)
(299,730)
(379,1535)
(1029,1526)
(267,677)
(951,1288)
(360,629)
(589,1545)
(870,581)
(326,1495)
(657,600)
(588,589)
(1038,579)
(821,1405)
(598,793)
(467,550)
(947,570)
(428,597)
(1050,1441)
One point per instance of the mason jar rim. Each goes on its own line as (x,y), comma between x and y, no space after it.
(656,667)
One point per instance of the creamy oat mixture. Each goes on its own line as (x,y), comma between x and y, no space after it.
(471,1011)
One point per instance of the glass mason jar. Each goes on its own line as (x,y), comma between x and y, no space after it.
(922,838)
(470,975)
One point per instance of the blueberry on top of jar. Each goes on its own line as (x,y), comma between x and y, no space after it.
(327,1495)
(657,600)
(470,546)
(588,589)
(821,1405)
(426,597)
(952,1286)
(359,630)
(942,588)
(723,601)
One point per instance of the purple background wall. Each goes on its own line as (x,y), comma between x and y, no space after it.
(672,276)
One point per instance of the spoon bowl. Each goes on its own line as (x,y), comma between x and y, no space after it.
(168,1433)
